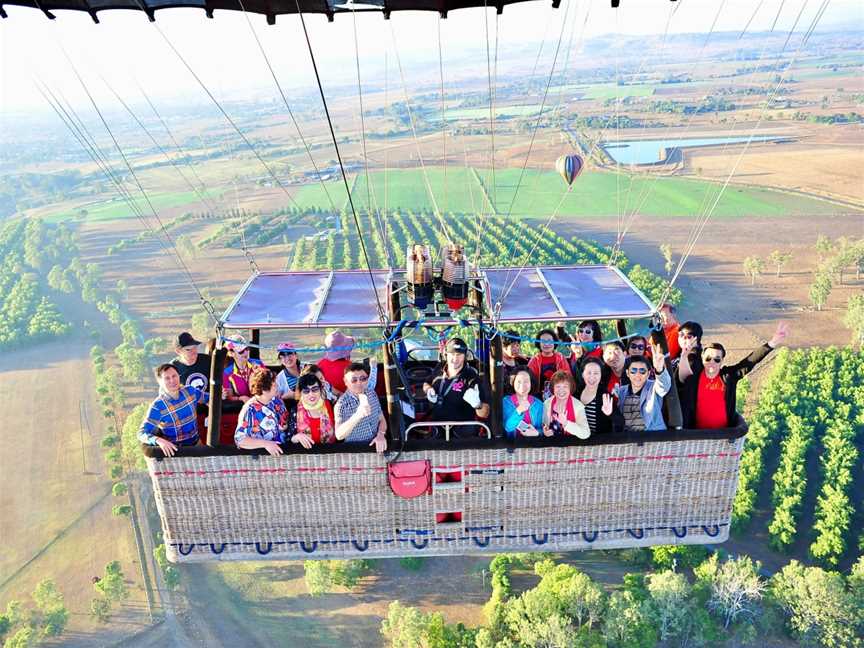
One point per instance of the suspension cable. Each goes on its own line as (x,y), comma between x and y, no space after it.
(443,113)
(437,211)
(162,229)
(381,312)
(370,195)
(817,17)
(288,108)
(222,110)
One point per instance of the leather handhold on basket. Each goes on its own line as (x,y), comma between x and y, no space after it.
(410,478)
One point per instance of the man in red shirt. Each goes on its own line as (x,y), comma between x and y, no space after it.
(336,358)
(669,316)
(709,390)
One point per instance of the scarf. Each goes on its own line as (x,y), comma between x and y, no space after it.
(325,420)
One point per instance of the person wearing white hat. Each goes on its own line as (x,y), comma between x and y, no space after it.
(235,379)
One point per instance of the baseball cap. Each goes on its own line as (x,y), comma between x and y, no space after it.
(185,339)
(285,347)
(456,345)
(237,344)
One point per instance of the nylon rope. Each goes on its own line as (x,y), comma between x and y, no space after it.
(443,113)
(381,313)
(537,125)
(370,196)
(817,17)
(222,110)
(204,201)
(288,108)
(162,229)
(438,214)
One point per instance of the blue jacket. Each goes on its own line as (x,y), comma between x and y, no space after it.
(650,400)
(512,416)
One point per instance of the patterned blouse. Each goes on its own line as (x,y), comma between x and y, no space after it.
(260,421)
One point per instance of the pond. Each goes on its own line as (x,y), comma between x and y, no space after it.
(651,151)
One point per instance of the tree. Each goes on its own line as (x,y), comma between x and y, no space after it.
(735,586)
(100,609)
(112,585)
(25,638)
(817,606)
(824,247)
(50,615)
(779,259)
(666,251)
(627,623)
(753,267)
(678,556)
(669,602)
(119,489)
(121,509)
(820,289)
(854,319)
(323,575)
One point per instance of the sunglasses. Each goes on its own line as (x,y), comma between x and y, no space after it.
(641,347)
(637,370)
(587,331)
(717,359)
(314,389)
(359,379)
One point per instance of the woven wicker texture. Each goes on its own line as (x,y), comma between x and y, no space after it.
(300,506)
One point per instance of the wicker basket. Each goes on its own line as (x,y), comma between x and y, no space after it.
(553,498)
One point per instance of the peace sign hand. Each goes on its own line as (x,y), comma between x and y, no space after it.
(658,358)
(607,405)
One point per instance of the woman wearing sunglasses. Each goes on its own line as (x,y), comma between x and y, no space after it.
(314,413)
(709,390)
(586,343)
(641,402)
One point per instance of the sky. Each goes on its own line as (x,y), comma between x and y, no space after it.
(127,50)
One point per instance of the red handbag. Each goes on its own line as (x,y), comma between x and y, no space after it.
(410,478)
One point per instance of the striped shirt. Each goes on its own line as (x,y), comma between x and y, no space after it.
(591,415)
(633,413)
(285,383)
(173,419)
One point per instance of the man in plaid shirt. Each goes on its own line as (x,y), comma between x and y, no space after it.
(171,420)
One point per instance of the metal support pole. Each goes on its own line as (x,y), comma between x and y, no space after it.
(391,376)
(496,378)
(214,410)
(254,351)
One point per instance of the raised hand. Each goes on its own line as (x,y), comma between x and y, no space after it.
(607,405)
(779,335)
(658,358)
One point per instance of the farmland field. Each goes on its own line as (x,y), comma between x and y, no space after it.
(611,91)
(500,111)
(117,209)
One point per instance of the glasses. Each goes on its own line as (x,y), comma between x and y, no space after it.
(717,359)
(314,389)
(359,379)
(637,370)
(640,347)
(587,331)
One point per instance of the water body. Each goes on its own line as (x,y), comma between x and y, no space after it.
(651,151)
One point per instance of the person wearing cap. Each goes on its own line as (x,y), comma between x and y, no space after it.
(171,420)
(235,379)
(457,393)
(286,380)
(359,418)
(193,367)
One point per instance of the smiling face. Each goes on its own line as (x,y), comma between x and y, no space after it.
(712,360)
(455,362)
(288,360)
(169,381)
(356,382)
(637,346)
(638,374)
(522,383)
(591,374)
(613,356)
(585,334)
(561,389)
(547,344)
(310,396)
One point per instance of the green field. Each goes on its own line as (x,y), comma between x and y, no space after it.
(501,111)
(594,194)
(117,209)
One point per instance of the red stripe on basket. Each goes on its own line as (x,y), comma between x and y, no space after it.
(572,461)
(622,458)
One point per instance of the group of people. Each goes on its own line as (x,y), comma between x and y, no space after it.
(614,385)
(594,389)
(331,401)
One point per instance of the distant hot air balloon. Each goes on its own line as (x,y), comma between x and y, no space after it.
(569,167)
